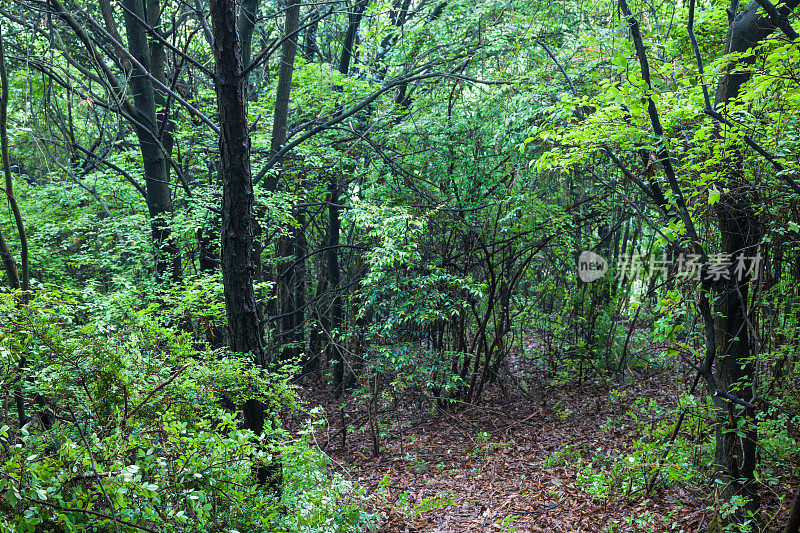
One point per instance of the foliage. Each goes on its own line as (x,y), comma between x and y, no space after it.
(131,452)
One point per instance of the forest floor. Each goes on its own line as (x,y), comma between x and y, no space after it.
(490,467)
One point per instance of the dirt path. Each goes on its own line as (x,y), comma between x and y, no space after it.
(498,466)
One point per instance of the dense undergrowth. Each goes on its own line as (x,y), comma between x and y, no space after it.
(129,429)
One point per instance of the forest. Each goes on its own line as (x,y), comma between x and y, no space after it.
(399,266)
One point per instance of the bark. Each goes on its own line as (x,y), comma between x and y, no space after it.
(247,24)
(736,457)
(237,210)
(156,167)
(793,523)
(8,260)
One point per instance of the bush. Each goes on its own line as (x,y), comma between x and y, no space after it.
(129,429)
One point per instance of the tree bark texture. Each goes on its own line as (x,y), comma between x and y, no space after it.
(156,167)
(735,456)
(237,210)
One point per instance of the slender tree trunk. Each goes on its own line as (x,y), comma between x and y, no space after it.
(8,263)
(5,252)
(156,167)
(284,89)
(335,353)
(237,210)
(248,10)
(310,40)
(8,260)
(350,38)
(292,335)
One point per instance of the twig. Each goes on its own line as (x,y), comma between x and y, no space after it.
(89,511)
(146,398)
(731,398)
(94,467)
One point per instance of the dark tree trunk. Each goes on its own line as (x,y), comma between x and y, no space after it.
(291,291)
(793,522)
(156,167)
(350,37)
(283,92)
(736,456)
(237,209)
(310,41)
(299,285)
(158,68)
(5,252)
(292,335)
(335,354)
(320,323)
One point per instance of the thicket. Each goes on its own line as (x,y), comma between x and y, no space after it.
(424,177)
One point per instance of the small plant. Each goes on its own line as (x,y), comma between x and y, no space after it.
(614,397)
(507,525)
(568,455)
(641,522)
(432,503)
(562,411)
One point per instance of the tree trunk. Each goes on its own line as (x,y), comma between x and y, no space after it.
(283,92)
(248,10)
(793,523)
(156,167)
(237,210)
(310,41)
(291,335)
(736,456)
(335,353)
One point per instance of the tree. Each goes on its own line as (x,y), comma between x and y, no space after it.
(740,232)
(155,147)
(244,326)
